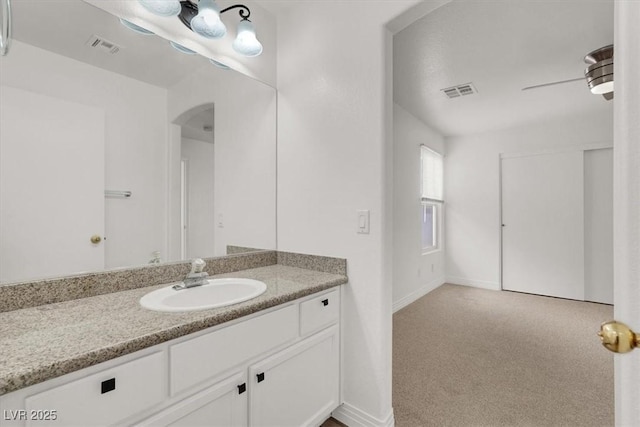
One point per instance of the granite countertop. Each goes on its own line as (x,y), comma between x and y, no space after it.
(44,342)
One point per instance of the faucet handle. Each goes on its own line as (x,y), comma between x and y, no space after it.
(197,265)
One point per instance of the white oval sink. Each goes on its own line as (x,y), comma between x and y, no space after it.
(216,293)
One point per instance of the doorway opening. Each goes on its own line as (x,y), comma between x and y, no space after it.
(197,162)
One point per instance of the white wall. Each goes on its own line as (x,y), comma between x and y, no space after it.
(333,117)
(245,156)
(135,135)
(200,178)
(472,188)
(414,274)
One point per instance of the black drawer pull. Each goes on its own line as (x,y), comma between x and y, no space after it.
(325,302)
(108,385)
(260,377)
(242,388)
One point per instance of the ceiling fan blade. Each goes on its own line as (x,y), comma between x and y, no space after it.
(553,83)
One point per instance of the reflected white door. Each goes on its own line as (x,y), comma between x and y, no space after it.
(184,208)
(55,150)
(543,224)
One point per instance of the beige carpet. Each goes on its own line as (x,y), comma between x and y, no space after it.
(471,357)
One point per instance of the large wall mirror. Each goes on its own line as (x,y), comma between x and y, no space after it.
(118,150)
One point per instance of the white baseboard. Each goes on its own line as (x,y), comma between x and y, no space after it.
(354,417)
(418,293)
(484,284)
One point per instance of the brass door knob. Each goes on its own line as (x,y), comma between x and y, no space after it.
(618,337)
(95,239)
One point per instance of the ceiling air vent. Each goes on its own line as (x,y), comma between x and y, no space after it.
(460,90)
(102,44)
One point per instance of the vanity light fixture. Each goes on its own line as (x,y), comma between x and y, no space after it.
(203,19)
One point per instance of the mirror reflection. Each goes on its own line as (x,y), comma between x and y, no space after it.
(118,150)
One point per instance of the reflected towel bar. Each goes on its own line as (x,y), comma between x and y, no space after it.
(116,193)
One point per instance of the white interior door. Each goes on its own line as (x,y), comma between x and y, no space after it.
(543,224)
(51,186)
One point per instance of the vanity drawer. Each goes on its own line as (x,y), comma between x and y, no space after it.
(319,312)
(104,398)
(203,358)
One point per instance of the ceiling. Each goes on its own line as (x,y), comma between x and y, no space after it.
(196,126)
(501,47)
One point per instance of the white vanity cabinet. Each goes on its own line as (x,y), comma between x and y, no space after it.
(279,368)
(298,386)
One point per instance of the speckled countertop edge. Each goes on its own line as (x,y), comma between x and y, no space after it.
(16,296)
(44,342)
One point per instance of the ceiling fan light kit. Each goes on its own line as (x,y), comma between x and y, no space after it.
(599,73)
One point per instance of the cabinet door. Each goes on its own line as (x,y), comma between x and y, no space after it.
(224,404)
(298,386)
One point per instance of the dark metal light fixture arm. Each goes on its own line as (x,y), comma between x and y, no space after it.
(190,10)
(244,11)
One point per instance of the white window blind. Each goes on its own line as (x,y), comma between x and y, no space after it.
(432,175)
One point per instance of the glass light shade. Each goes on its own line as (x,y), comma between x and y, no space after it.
(136,28)
(162,7)
(181,48)
(207,22)
(246,42)
(219,64)
(602,88)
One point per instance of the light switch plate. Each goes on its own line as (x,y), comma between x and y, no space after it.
(363,222)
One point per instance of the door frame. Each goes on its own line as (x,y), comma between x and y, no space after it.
(626,205)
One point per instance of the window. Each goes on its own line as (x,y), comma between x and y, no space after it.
(432,199)
(429,229)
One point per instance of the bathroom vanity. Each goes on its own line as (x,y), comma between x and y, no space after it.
(104,360)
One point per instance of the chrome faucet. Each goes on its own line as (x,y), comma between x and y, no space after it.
(196,277)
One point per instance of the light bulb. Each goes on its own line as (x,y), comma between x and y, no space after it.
(207,22)
(246,42)
(162,7)
(602,88)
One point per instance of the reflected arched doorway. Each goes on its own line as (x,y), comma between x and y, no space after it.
(196,176)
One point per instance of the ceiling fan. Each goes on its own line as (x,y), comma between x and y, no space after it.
(598,74)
